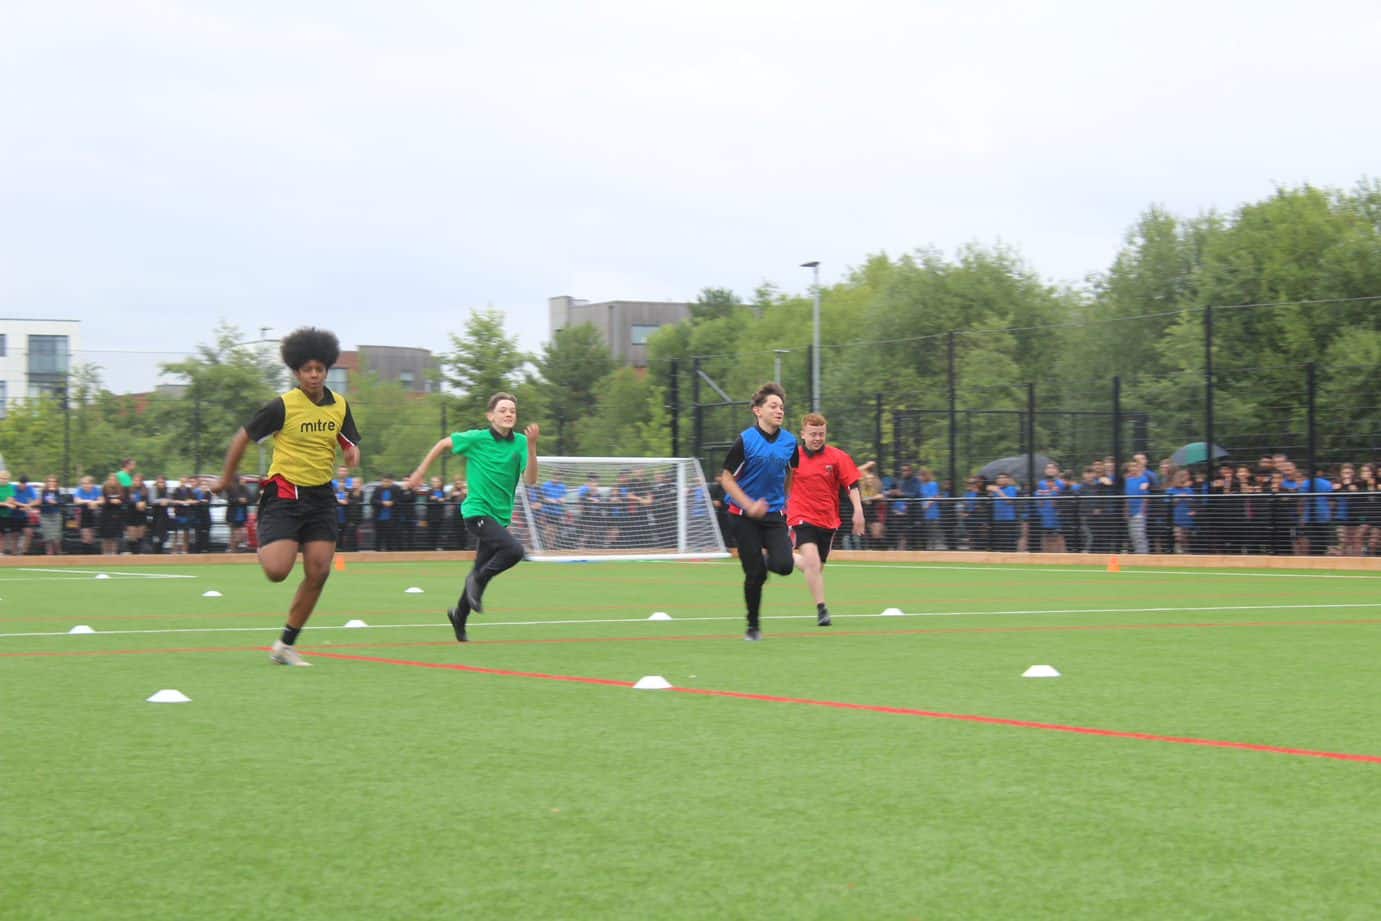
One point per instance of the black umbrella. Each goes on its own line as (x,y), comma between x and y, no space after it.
(1194,453)
(1014,467)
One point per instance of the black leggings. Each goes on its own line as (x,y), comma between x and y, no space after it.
(495,548)
(754,535)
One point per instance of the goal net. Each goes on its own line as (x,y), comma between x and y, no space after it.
(617,508)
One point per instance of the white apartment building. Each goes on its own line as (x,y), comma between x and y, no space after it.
(35,357)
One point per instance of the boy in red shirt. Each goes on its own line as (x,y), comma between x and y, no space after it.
(812,509)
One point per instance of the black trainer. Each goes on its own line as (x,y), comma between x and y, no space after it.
(472,592)
(753,635)
(458,625)
(822,617)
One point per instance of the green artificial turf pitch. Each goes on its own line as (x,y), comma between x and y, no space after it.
(886,767)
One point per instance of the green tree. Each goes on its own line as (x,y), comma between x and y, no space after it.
(630,421)
(714,304)
(483,361)
(397,426)
(572,368)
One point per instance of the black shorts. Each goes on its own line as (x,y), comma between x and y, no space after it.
(13,524)
(822,538)
(309,517)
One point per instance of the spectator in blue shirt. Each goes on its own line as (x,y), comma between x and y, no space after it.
(1184,511)
(26,500)
(903,514)
(932,535)
(553,498)
(1318,513)
(384,508)
(1136,486)
(1048,507)
(1005,531)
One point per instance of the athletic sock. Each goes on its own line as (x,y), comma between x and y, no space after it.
(290,634)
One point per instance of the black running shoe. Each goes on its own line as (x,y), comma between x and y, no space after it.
(458,625)
(753,635)
(472,592)
(822,618)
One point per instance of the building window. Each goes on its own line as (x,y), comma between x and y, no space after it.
(48,355)
(2,345)
(336,380)
(641,332)
(406,378)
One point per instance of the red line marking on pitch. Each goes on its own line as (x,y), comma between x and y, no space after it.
(874,708)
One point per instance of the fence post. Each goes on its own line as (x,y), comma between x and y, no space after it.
(67,431)
(953,419)
(674,398)
(444,433)
(1116,472)
(1208,383)
(877,433)
(697,422)
(1310,386)
(196,433)
(1031,438)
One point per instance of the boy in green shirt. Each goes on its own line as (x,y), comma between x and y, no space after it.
(495,458)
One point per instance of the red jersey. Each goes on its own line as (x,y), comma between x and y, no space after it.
(814,498)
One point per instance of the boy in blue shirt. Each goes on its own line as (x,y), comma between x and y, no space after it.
(756,475)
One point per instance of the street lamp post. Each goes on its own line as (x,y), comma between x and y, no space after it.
(815,350)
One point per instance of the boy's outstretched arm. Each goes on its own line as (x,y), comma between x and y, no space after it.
(415,478)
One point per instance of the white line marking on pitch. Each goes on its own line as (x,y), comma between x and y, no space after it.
(94,572)
(736,618)
(1081,569)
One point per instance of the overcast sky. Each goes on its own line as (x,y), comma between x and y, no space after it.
(383,168)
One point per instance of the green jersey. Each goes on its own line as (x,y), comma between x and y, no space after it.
(124,479)
(493,464)
(6,494)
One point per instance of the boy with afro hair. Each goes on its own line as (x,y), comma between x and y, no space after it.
(297,506)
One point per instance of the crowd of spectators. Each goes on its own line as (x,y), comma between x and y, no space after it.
(124,514)
(1267,507)
(1270,506)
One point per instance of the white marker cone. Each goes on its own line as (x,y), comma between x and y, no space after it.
(412,590)
(1040,671)
(652,683)
(81,628)
(660,615)
(356,623)
(894,612)
(102,575)
(211,594)
(170,696)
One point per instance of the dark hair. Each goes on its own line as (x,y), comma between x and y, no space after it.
(309,344)
(494,400)
(768,390)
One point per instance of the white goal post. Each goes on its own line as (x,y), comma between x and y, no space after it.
(617,508)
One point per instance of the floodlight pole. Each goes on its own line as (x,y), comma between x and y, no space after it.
(815,350)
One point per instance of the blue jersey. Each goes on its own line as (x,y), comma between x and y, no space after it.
(1136,488)
(759,463)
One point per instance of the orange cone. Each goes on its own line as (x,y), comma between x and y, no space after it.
(340,564)
(1114,565)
